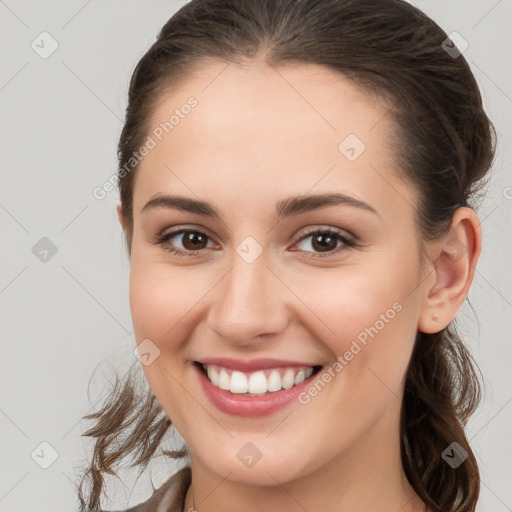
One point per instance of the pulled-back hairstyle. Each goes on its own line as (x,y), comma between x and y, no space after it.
(444,145)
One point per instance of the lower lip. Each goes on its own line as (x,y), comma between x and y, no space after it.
(249,406)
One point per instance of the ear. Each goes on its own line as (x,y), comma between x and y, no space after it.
(124,226)
(120,216)
(452,261)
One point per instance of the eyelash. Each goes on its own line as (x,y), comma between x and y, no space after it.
(347,242)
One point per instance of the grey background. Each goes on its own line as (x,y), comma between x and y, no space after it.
(67,318)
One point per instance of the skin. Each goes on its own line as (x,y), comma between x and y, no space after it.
(260,135)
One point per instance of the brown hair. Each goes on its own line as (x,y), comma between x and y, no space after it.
(444,143)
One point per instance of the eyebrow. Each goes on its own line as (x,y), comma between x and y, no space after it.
(285,208)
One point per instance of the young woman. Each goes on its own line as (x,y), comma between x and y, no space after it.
(296,182)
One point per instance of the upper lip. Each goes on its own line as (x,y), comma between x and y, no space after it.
(249,365)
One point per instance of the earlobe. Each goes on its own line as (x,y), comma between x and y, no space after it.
(454,260)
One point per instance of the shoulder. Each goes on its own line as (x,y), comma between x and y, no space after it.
(170,497)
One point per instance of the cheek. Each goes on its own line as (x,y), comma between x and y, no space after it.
(160,299)
(369,316)
(161,304)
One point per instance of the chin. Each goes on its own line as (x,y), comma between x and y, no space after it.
(269,468)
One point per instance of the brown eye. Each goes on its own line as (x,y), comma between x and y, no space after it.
(192,242)
(321,242)
(324,242)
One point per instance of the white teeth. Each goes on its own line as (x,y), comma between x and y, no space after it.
(288,379)
(213,375)
(238,383)
(224,380)
(301,375)
(256,383)
(274,381)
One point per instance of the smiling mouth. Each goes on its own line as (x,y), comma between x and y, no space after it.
(256,383)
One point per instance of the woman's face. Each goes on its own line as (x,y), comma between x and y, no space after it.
(263,280)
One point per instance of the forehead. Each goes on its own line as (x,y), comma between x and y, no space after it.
(256,131)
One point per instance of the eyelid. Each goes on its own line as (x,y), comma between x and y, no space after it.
(176,230)
(164,236)
(342,233)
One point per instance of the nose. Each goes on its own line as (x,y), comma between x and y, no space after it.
(248,302)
